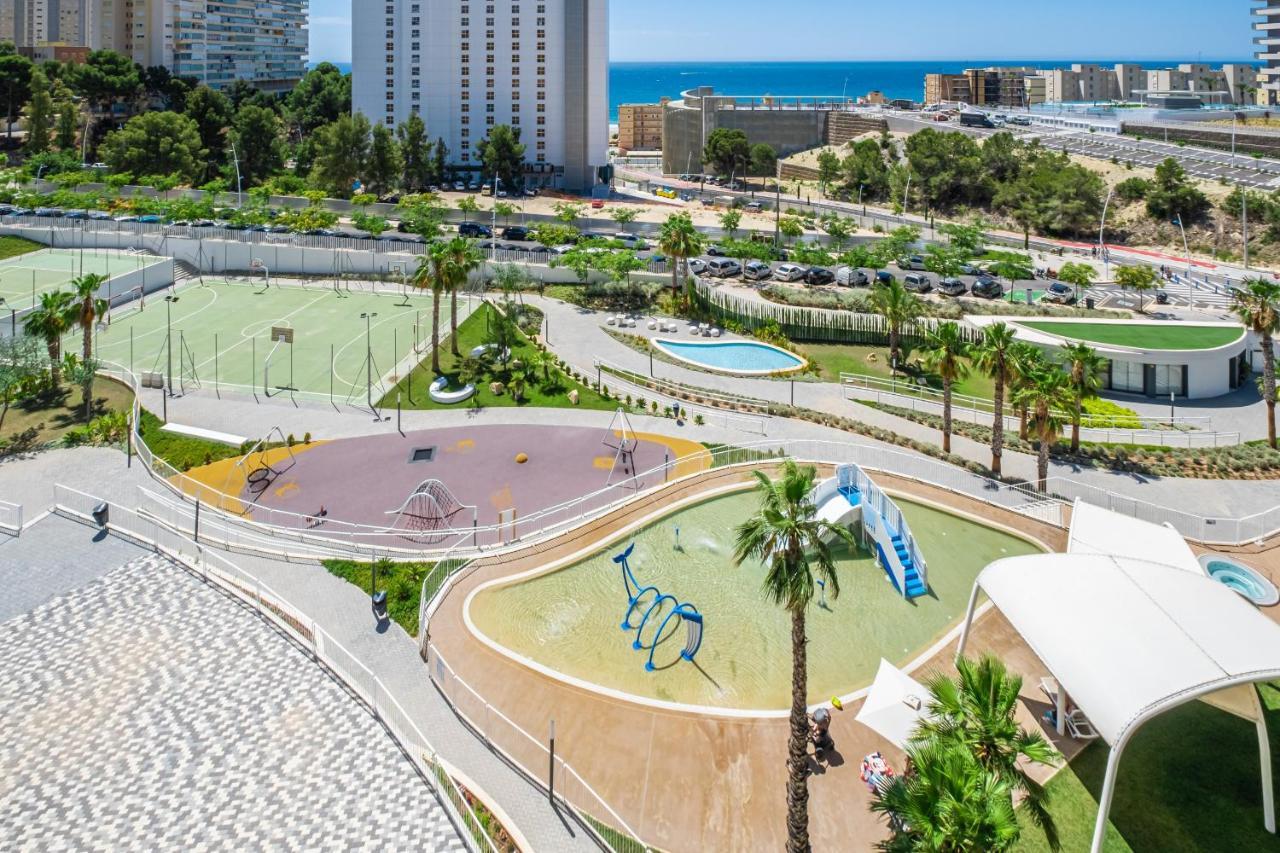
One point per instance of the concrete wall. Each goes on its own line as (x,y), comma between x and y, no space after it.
(1247,141)
(788,131)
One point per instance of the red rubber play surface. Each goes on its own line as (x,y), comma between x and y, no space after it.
(360,480)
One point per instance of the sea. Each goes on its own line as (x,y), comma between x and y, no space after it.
(649,82)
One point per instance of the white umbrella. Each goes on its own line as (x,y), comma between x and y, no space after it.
(894,705)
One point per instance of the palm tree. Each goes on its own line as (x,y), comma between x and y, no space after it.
(680,241)
(1084,376)
(977,713)
(787,536)
(1049,394)
(50,321)
(947,804)
(1258,307)
(463,258)
(993,356)
(91,309)
(432,273)
(1027,359)
(899,307)
(945,354)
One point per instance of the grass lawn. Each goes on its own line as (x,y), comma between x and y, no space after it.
(183,452)
(833,359)
(1188,782)
(402,581)
(1170,336)
(11,247)
(552,392)
(53,417)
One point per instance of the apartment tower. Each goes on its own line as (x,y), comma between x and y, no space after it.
(1267,39)
(465,66)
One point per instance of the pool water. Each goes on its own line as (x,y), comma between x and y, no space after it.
(733,356)
(569,620)
(1243,580)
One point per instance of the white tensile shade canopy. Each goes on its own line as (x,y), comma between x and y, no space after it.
(1130,639)
(1099,531)
(895,704)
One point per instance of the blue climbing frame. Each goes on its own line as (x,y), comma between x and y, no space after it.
(650,599)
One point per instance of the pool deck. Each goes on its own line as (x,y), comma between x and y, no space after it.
(705,782)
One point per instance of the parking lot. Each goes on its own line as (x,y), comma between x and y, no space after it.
(1203,163)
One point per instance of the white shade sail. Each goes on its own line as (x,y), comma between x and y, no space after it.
(894,705)
(1099,531)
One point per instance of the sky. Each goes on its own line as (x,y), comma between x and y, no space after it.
(854,30)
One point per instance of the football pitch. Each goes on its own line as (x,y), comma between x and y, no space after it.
(24,277)
(233,335)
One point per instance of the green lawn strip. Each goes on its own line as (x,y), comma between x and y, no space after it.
(47,419)
(12,247)
(183,452)
(1188,782)
(1142,336)
(402,582)
(472,332)
(831,360)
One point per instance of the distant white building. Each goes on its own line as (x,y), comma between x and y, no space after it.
(263,42)
(542,67)
(1267,39)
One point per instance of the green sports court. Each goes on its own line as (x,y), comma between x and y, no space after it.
(24,277)
(314,340)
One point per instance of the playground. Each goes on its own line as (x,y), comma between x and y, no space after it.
(24,277)
(344,343)
(476,477)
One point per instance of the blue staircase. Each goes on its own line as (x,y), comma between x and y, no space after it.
(852,495)
(911,577)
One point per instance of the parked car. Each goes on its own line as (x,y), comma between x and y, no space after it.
(156,219)
(459,186)
(952,287)
(815,276)
(6,209)
(987,288)
(128,217)
(971,269)
(51,212)
(697,266)
(885,277)
(913,263)
(753,207)
(757,271)
(76,214)
(851,277)
(474,229)
(99,216)
(789,272)
(917,283)
(632,241)
(1060,293)
(724,268)
(715,251)
(515,232)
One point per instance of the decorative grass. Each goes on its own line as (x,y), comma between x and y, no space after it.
(1167,336)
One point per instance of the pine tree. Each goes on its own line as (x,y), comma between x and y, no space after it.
(39,113)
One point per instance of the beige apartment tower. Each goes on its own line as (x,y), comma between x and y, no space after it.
(640,127)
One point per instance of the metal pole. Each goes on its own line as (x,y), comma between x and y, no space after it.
(551,772)
(195,533)
(1102,243)
(215,364)
(330,374)
(168,340)
(1244,220)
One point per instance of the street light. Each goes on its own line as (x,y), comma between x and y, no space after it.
(1102,242)
(168,338)
(1191,296)
(368,356)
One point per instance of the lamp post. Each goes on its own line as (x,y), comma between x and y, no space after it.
(239,183)
(168,338)
(1102,242)
(368,356)
(1191,296)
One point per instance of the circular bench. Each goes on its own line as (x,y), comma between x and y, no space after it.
(439,395)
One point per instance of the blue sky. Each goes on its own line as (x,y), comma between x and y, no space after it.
(691,30)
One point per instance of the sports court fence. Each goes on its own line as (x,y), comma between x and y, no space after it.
(305,632)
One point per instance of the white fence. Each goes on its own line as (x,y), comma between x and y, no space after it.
(327,651)
(10,518)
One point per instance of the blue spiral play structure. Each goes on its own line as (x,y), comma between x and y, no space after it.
(647,601)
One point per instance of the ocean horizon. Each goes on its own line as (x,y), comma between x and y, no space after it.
(649,82)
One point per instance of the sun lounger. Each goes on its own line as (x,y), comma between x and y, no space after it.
(1080,727)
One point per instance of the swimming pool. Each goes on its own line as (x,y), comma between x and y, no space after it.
(567,621)
(744,357)
(1239,577)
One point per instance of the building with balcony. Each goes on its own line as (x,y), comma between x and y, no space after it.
(640,127)
(539,67)
(1267,40)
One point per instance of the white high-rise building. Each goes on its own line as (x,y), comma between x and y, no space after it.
(263,42)
(466,65)
(32,23)
(1267,39)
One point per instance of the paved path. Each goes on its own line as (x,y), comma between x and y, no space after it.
(146,710)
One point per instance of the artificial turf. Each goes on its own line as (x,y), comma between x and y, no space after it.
(1170,336)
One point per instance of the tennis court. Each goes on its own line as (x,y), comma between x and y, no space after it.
(24,277)
(312,340)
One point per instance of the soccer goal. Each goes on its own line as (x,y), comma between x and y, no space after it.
(135,298)
(277,370)
(258,265)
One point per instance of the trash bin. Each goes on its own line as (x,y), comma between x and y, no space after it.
(101,514)
(380,604)
(1088,302)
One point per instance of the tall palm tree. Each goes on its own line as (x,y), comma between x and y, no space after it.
(786,534)
(977,712)
(945,354)
(993,356)
(1258,307)
(463,258)
(947,804)
(899,307)
(1084,376)
(50,321)
(680,241)
(90,309)
(1049,394)
(432,273)
(1027,359)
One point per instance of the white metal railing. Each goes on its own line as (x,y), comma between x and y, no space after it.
(326,650)
(10,518)
(679,390)
(872,495)
(530,755)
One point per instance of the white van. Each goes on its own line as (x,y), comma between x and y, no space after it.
(724,268)
(632,241)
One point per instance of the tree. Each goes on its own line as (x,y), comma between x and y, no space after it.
(39,114)
(568,212)
(1172,195)
(1052,195)
(839,228)
(15,82)
(432,273)
(415,151)
(945,354)
(212,113)
(502,155)
(68,121)
(156,143)
(943,261)
(506,210)
(21,366)
(257,135)
(1050,394)
(1026,360)
(384,166)
(1139,279)
(105,77)
(439,158)
(727,151)
(791,227)
(680,241)
(320,98)
(947,169)
(1012,267)
(624,216)
(967,241)
(49,322)
(468,206)
(342,154)
(89,309)
(463,258)
(828,167)
(786,534)
(1257,305)
(1002,157)
(159,83)
(993,356)
(899,307)
(730,220)
(1078,275)
(866,175)
(1084,377)
(764,160)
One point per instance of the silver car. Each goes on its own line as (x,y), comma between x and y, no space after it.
(789,272)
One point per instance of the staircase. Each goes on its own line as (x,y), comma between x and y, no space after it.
(895,546)
(914,586)
(183,271)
